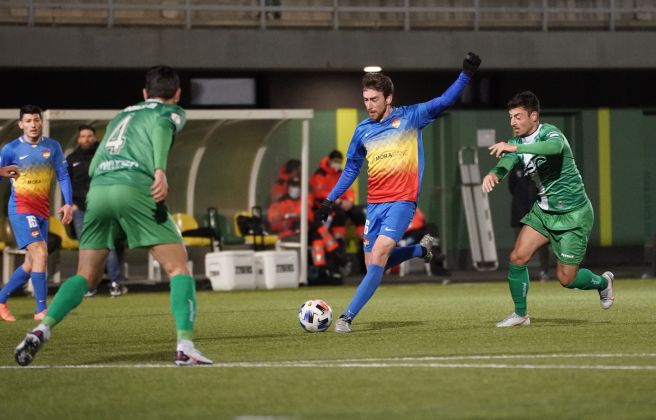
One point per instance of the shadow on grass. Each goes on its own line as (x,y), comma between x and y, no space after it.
(131,358)
(384,325)
(557,321)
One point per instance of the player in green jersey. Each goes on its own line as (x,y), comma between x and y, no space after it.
(126,200)
(562,215)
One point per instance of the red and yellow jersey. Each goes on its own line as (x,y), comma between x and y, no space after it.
(394,152)
(38,165)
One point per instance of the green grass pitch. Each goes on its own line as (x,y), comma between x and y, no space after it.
(422,351)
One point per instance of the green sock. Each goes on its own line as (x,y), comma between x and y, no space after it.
(70,295)
(518,282)
(587,280)
(183,305)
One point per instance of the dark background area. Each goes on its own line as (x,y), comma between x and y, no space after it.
(99,89)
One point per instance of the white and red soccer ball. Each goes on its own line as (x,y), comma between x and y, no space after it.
(315,315)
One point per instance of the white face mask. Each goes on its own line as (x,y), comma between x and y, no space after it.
(294,192)
(336,166)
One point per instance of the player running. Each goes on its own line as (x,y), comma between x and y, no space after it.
(39,159)
(390,140)
(562,215)
(126,199)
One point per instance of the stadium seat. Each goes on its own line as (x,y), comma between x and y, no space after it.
(225,232)
(263,239)
(56,227)
(189,228)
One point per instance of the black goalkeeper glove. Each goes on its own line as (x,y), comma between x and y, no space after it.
(324,210)
(470,64)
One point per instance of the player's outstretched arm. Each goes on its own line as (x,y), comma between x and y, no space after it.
(470,65)
(10,171)
(500,148)
(489,182)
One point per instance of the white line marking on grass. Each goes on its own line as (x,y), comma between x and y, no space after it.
(407,362)
(501,356)
(378,365)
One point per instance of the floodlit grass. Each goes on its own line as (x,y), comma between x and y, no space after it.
(411,355)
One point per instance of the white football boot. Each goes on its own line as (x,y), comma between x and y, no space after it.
(514,320)
(33,341)
(427,242)
(188,355)
(343,325)
(607,296)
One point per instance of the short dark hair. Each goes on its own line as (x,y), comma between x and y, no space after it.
(527,100)
(29,109)
(162,82)
(336,154)
(292,165)
(379,82)
(85,127)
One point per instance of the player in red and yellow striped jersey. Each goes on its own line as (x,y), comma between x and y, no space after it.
(390,141)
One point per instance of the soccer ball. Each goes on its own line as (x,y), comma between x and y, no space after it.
(315,315)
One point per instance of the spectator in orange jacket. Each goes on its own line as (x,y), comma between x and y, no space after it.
(322,182)
(291,169)
(284,217)
(285,213)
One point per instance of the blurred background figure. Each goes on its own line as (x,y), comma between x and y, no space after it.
(321,183)
(524,193)
(291,169)
(78,170)
(326,257)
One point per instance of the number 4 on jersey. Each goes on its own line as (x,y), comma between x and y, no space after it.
(116,139)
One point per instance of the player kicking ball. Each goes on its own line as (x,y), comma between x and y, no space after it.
(126,200)
(562,216)
(390,140)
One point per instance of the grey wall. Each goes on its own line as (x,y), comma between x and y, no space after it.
(89,47)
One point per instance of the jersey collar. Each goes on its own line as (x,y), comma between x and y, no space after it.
(24,140)
(531,138)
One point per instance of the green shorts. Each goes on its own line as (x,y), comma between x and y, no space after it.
(116,212)
(568,233)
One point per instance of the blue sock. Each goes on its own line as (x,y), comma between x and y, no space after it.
(399,255)
(40,291)
(365,291)
(18,279)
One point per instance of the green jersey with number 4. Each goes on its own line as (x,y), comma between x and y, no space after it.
(128,153)
(548,159)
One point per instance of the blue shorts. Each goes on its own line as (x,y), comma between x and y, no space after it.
(28,228)
(388,219)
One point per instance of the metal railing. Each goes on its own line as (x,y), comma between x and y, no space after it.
(407,15)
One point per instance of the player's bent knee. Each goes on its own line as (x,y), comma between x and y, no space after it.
(518,259)
(565,279)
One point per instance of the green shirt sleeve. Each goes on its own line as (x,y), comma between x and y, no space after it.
(505,164)
(162,137)
(552,146)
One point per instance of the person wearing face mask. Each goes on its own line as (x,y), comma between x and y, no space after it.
(284,217)
(291,169)
(322,182)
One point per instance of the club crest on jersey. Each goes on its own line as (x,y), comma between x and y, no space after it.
(176,118)
(396,123)
(45,154)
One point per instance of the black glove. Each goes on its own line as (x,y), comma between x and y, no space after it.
(470,64)
(324,210)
